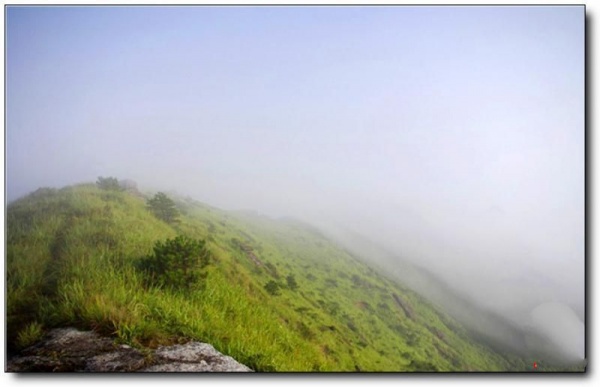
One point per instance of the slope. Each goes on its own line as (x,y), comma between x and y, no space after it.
(278,295)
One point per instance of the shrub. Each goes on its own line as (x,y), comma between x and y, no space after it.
(108,183)
(177,263)
(272,288)
(305,331)
(163,208)
(291,282)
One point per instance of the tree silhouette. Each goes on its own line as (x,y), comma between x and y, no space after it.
(163,208)
(108,183)
(177,263)
(291,282)
(272,288)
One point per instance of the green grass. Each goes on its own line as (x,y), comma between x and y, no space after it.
(29,335)
(71,261)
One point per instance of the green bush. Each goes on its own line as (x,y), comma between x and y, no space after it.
(177,263)
(163,208)
(109,184)
(291,282)
(272,288)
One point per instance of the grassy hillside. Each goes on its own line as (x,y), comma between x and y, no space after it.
(73,259)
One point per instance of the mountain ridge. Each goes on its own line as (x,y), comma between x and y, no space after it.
(341,316)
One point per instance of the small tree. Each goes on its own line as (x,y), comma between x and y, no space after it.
(108,183)
(177,263)
(272,288)
(291,282)
(163,208)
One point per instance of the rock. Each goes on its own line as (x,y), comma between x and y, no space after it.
(194,357)
(122,360)
(70,350)
(63,350)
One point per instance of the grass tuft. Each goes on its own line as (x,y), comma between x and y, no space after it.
(32,333)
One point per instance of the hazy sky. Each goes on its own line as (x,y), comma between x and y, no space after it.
(454,134)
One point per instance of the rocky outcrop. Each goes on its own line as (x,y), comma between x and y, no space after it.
(70,350)
(194,357)
(246,248)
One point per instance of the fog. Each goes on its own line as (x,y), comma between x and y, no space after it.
(450,137)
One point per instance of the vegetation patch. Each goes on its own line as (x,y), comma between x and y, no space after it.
(176,263)
(150,271)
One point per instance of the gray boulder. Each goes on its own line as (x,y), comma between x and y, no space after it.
(194,357)
(71,350)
